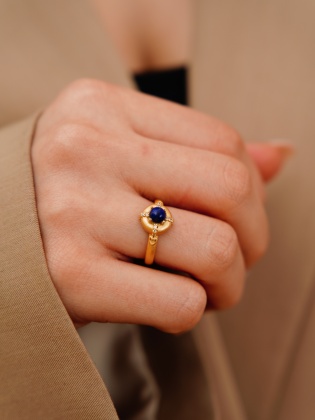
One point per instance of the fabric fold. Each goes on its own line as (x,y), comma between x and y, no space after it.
(45,369)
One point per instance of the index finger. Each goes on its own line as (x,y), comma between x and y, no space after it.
(164,120)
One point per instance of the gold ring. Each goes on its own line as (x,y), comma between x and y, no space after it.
(155,219)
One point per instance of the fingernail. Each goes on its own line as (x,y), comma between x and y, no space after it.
(285,147)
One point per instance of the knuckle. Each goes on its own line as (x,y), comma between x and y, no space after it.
(86,94)
(86,97)
(67,143)
(238,182)
(64,139)
(85,88)
(234,142)
(93,90)
(188,310)
(222,247)
(59,209)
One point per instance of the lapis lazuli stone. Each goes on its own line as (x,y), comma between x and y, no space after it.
(157,215)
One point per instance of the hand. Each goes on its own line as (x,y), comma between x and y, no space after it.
(101,154)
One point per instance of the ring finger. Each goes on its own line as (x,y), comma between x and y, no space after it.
(202,246)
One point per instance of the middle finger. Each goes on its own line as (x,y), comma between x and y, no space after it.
(202,181)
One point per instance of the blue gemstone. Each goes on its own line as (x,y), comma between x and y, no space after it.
(157,215)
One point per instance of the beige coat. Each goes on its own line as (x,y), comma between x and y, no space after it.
(254,67)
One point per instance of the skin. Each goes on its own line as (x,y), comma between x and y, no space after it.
(101,154)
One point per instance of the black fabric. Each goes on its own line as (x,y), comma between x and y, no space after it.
(168,84)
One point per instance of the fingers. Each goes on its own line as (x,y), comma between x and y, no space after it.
(204,182)
(112,109)
(98,150)
(270,157)
(204,247)
(166,121)
(96,284)
(116,109)
(173,123)
(126,293)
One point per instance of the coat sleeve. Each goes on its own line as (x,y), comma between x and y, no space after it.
(45,371)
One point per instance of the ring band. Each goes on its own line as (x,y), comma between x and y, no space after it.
(155,219)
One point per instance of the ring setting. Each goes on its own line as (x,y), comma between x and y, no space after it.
(155,219)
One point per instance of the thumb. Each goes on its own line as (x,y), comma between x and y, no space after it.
(270,157)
